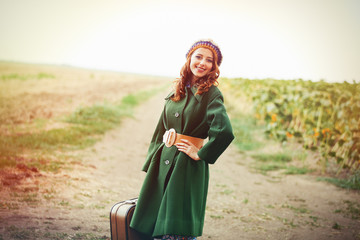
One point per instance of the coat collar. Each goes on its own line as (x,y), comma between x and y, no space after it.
(197,96)
(193,90)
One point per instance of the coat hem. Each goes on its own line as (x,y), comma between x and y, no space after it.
(172,228)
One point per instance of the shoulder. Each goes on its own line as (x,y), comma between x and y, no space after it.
(214,92)
(172,93)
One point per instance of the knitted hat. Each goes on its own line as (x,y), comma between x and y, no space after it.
(209,44)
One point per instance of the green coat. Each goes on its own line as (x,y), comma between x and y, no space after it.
(173,196)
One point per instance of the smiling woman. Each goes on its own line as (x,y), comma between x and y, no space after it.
(172,200)
(201,63)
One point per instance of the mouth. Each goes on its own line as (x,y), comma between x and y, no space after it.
(200,69)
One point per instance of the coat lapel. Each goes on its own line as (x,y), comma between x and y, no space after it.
(193,90)
(197,96)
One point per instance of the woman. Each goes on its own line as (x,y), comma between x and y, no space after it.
(172,200)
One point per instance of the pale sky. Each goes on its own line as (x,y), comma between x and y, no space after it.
(283,39)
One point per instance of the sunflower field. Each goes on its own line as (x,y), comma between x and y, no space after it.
(324,117)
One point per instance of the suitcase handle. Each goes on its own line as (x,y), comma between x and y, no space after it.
(131,201)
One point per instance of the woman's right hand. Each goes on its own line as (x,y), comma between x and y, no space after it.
(189,148)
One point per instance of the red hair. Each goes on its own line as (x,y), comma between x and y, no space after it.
(203,84)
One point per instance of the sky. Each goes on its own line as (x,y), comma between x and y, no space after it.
(282,39)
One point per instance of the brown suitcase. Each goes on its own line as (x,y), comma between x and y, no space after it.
(120,217)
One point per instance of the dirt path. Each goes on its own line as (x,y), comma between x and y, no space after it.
(241,204)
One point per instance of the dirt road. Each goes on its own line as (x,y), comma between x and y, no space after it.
(241,204)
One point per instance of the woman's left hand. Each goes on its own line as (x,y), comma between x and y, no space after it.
(190,149)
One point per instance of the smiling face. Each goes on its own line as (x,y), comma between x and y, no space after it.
(201,62)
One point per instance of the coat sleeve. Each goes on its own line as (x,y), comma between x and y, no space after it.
(156,141)
(220,131)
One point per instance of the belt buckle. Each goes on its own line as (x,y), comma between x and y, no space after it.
(169,137)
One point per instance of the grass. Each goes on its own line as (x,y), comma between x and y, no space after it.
(353,209)
(96,119)
(266,162)
(31,198)
(264,168)
(13,232)
(249,136)
(84,128)
(9,206)
(287,222)
(247,132)
(244,124)
(301,209)
(24,77)
(350,209)
(64,203)
(244,128)
(336,226)
(292,170)
(216,216)
(352,182)
(227,192)
(314,221)
(276,157)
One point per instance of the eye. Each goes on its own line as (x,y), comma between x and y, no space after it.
(198,57)
(209,60)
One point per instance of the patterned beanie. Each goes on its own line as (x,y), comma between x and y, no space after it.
(209,44)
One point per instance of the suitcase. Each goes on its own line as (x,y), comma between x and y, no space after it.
(120,217)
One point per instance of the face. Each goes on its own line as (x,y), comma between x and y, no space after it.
(201,62)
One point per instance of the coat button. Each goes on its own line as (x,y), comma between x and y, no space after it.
(167,162)
(177,114)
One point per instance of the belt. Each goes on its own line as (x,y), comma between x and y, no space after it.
(170,138)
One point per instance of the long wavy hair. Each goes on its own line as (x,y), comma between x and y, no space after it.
(203,84)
